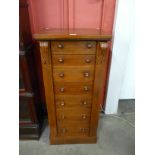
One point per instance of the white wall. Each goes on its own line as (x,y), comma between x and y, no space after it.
(121,80)
(128,89)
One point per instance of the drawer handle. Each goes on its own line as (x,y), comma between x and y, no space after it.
(89,45)
(61,75)
(61,60)
(84,116)
(86,74)
(60,46)
(87,60)
(64,130)
(62,89)
(84,103)
(62,103)
(86,88)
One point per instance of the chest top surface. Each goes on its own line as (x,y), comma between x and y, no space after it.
(73,34)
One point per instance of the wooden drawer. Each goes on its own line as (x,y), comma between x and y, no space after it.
(73,74)
(73,101)
(72,60)
(73,115)
(73,88)
(73,47)
(73,129)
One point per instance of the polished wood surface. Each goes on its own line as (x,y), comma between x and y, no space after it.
(48,85)
(72,60)
(65,130)
(70,101)
(74,139)
(73,88)
(72,34)
(75,79)
(73,47)
(67,74)
(102,50)
(70,115)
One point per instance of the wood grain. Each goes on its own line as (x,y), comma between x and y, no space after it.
(73,47)
(106,73)
(72,130)
(67,34)
(73,101)
(72,115)
(48,84)
(72,60)
(73,88)
(98,86)
(73,74)
(74,140)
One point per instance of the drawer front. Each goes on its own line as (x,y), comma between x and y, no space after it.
(73,101)
(72,60)
(73,74)
(73,88)
(73,129)
(73,47)
(72,116)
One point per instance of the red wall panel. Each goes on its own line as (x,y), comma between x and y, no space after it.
(72,14)
(87,13)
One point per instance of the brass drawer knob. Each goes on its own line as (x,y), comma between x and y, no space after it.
(62,89)
(61,60)
(62,103)
(61,75)
(86,88)
(84,103)
(64,130)
(60,46)
(89,45)
(86,74)
(84,116)
(87,60)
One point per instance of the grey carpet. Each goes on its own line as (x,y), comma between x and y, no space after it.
(115,137)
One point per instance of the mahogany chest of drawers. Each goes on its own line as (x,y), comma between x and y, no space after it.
(75,66)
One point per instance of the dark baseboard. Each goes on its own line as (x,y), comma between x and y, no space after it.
(29,132)
(127,100)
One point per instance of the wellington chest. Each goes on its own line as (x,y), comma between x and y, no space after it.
(75,65)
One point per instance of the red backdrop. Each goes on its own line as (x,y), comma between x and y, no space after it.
(72,14)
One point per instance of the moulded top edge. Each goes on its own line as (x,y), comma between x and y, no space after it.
(86,34)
